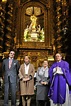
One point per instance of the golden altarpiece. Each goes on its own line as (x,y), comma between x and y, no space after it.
(37,28)
(34,30)
(27,26)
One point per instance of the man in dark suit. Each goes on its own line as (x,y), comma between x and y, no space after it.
(10,69)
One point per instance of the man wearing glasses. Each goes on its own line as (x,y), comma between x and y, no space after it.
(10,69)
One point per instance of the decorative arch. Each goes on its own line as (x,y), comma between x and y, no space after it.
(22,20)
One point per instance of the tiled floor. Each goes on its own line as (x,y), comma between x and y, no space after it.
(33,103)
(1,102)
(18,101)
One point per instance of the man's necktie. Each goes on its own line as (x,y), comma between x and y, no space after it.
(10,63)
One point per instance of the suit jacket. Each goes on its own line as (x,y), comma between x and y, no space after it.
(27,88)
(12,72)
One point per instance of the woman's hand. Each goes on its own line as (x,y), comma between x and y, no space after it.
(44,83)
(26,79)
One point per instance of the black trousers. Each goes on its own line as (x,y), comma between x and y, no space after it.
(42,103)
(26,100)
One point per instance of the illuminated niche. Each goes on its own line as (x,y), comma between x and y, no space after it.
(34,30)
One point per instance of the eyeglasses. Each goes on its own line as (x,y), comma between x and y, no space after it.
(12,53)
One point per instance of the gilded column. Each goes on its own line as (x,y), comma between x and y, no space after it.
(58,24)
(61,25)
(2,19)
(65,8)
(67,31)
(9,27)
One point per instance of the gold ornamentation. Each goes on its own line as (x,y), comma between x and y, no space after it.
(34,32)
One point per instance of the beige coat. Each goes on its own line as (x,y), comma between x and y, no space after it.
(26,88)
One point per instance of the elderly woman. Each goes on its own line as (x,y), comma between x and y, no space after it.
(42,78)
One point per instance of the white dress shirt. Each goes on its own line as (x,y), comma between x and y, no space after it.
(26,68)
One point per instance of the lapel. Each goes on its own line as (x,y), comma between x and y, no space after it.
(23,69)
(7,62)
(29,69)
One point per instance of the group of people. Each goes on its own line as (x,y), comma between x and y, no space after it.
(51,83)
